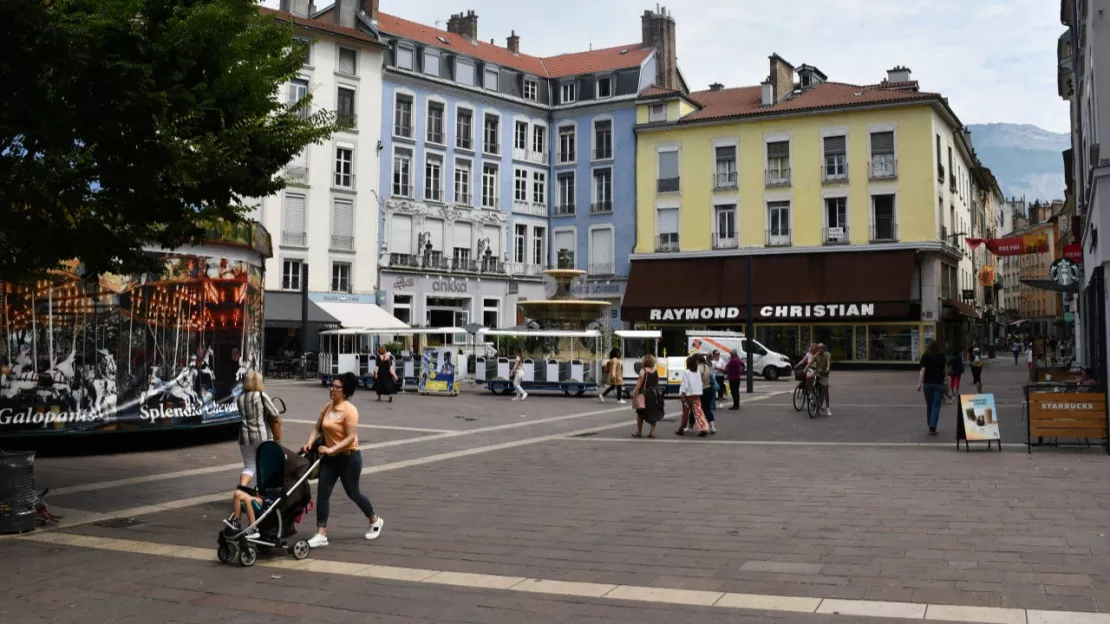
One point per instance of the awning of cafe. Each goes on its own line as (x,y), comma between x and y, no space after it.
(1047,284)
(362,315)
(965,309)
(283,310)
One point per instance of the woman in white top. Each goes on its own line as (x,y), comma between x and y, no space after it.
(517,376)
(691,391)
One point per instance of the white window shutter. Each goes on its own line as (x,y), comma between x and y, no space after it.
(494,235)
(400,235)
(462,235)
(293,219)
(435,227)
(343,219)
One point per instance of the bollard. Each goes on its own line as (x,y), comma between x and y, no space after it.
(17,492)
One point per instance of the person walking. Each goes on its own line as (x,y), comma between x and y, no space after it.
(977,370)
(691,392)
(614,376)
(517,375)
(734,369)
(341,459)
(385,375)
(719,373)
(955,374)
(1029,358)
(930,380)
(259,422)
(708,392)
(1016,347)
(647,398)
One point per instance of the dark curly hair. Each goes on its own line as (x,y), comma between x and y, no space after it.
(350,383)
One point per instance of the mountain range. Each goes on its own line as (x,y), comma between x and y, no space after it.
(1027,160)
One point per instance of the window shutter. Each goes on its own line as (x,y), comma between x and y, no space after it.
(668,221)
(564,240)
(726,153)
(346,102)
(400,236)
(463,233)
(882,143)
(601,246)
(780,149)
(494,236)
(343,219)
(668,165)
(836,144)
(347,61)
(293,219)
(435,228)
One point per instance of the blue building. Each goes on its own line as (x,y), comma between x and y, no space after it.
(497,165)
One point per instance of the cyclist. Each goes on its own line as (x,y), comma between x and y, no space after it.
(806,364)
(822,361)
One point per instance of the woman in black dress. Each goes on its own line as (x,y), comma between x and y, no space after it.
(647,398)
(385,377)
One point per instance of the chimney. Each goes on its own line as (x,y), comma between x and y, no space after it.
(898,74)
(716,86)
(782,77)
(464,25)
(344,13)
(299,8)
(513,43)
(658,31)
(454,23)
(768,92)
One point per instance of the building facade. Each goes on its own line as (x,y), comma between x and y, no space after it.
(325,222)
(853,203)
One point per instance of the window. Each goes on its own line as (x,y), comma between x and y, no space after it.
(462,181)
(603,139)
(539,187)
(347,61)
(431,62)
(725,177)
(658,112)
(433,177)
(778,223)
(668,172)
(435,122)
(836,219)
(778,163)
(402,172)
(345,107)
(564,249)
(883,164)
(462,239)
(539,139)
(726,225)
(489,185)
(464,129)
(402,308)
(601,251)
(344,172)
(568,90)
(400,235)
(341,277)
(531,88)
(605,87)
(292,274)
(490,313)
(293,221)
(566,144)
(566,194)
(520,185)
(404,57)
(491,137)
(603,191)
(520,237)
(520,136)
(894,343)
(539,237)
(884,219)
(491,79)
(342,225)
(667,227)
(402,116)
(836,158)
(298,89)
(464,72)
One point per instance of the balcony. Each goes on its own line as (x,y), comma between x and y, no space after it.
(725,241)
(408,261)
(435,136)
(433,195)
(835,235)
(604,268)
(523,269)
(437,262)
(725,180)
(884,232)
(491,147)
(342,243)
(403,131)
(402,190)
(346,120)
(463,198)
(464,143)
(529,208)
(603,207)
(604,153)
(778,238)
(343,181)
(777,178)
(566,158)
(666,243)
(537,158)
(294,239)
(667,185)
(837,174)
(883,169)
(564,210)
(296,174)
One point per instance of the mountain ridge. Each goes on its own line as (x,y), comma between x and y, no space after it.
(1027,160)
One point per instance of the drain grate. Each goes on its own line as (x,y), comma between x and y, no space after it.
(118,523)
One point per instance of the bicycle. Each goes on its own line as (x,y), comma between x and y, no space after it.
(815,397)
(801,394)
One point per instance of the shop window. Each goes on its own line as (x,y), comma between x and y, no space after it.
(838,341)
(490,313)
(783,339)
(402,308)
(893,343)
(861,342)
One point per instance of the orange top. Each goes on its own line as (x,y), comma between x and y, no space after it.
(334,428)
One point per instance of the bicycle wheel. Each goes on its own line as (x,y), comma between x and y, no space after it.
(800,398)
(815,401)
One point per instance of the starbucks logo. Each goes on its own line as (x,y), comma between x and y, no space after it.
(1064,272)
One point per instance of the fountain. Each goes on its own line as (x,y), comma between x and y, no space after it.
(562,310)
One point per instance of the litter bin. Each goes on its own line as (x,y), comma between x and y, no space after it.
(17,492)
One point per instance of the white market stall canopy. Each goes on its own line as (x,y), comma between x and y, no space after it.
(639,333)
(709,333)
(357,315)
(381,331)
(555,333)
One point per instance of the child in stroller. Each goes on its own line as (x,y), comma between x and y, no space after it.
(273,510)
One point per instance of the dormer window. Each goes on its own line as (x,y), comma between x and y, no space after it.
(605,87)
(658,112)
(531,88)
(569,93)
(464,72)
(490,78)
(431,62)
(404,57)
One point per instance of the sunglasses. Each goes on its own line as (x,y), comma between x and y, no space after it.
(337,387)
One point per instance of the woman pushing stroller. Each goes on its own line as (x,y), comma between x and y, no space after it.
(259,422)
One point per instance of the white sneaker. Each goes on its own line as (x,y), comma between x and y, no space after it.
(317,541)
(621,401)
(253,535)
(375,529)
(600,398)
(516,398)
(524,397)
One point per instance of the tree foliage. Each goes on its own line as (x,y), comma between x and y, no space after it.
(133,123)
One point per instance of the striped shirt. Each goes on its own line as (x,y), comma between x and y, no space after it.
(255,410)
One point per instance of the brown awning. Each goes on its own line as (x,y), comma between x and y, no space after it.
(965,309)
(880,277)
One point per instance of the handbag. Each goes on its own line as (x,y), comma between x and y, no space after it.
(638,401)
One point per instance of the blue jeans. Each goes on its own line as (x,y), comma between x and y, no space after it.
(709,402)
(344,468)
(934,395)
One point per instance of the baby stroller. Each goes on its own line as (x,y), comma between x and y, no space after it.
(283,487)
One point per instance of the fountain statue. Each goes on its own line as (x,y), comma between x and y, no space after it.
(562,310)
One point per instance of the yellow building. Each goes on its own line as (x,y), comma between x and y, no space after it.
(854,203)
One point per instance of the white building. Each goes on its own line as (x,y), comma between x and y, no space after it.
(325,223)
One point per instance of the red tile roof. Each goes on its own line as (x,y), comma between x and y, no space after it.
(320,24)
(606,59)
(654,92)
(747,101)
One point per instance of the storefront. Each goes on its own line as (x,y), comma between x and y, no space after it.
(865,306)
(608,290)
(282,326)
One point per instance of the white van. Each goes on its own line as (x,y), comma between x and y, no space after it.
(770,364)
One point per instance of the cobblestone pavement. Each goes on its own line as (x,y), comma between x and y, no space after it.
(548,511)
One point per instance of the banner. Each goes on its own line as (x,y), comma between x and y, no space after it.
(437,372)
(1074,253)
(986,276)
(980,417)
(1013,245)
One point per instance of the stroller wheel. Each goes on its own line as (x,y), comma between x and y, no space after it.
(226,552)
(248,556)
(299,549)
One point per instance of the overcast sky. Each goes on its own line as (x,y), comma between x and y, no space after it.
(995,60)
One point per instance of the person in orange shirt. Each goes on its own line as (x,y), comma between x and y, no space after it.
(342,461)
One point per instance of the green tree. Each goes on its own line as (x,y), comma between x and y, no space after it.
(132,123)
